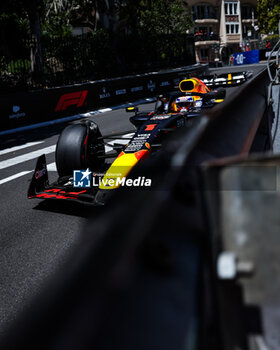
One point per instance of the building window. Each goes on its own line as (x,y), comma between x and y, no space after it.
(232,28)
(204,54)
(202,12)
(232,18)
(249,32)
(204,30)
(231,8)
(247,12)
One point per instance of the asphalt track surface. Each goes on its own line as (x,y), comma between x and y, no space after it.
(37,236)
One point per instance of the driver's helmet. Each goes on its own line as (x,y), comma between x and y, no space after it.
(182,104)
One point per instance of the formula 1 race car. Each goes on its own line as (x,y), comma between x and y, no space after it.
(85,175)
(193,96)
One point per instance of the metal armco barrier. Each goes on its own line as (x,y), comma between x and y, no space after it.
(22,109)
(240,125)
(143,275)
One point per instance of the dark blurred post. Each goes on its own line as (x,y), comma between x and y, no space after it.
(216,51)
(36,56)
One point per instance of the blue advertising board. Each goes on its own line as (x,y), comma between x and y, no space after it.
(248,57)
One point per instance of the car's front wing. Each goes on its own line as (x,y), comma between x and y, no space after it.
(62,189)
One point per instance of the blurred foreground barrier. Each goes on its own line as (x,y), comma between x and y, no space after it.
(20,109)
(144,274)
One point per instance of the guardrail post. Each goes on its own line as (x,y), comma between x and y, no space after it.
(275,94)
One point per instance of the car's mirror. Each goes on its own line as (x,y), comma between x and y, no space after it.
(132,109)
(186,85)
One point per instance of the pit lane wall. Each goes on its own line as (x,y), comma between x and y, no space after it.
(21,109)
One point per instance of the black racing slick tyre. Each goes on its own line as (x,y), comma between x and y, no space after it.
(78,149)
(70,149)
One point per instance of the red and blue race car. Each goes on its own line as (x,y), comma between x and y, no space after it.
(80,150)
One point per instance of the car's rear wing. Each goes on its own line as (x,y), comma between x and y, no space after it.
(226,79)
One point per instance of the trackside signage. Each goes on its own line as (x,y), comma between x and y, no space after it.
(32,107)
(17,113)
(73,99)
(241,58)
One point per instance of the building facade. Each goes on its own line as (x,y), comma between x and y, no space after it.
(223,27)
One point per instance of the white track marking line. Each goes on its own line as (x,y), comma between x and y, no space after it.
(10,178)
(128,136)
(17,148)
(123,141)
(51,167)
(104,110)
(25,157)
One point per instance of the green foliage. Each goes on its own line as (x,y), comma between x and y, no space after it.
(166,17)
(130,13)
(54,15)
(268,15)
(13,26)
(56,25)
(273,37)
(155,17)
(134,16)
(150,34)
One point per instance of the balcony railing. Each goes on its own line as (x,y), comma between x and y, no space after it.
(203,16)
(202,37)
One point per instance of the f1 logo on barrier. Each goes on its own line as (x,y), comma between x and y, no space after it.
(73,99)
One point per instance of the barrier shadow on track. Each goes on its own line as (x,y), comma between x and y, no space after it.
(68,208)
(31,135)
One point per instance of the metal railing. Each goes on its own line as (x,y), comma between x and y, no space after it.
(202,37)
(78,59)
